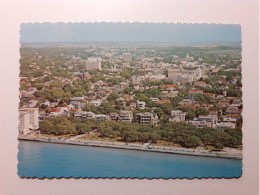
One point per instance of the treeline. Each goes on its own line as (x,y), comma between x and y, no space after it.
(177,133)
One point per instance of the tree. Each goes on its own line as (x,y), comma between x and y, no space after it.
(129,90)
(46,126)
(113,96)
(219,146)
(190,115)
(83,128)
(192,141)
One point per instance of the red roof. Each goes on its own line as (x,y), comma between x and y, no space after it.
(54,109)
(169,86)
(164,101)
(187,106)
(211,94)
(201,82)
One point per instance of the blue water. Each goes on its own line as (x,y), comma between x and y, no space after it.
(56,160)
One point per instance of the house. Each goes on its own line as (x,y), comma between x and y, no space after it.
(132,105)
(177,116)
(75,101)
(164,101)
(147,118)
(205,121)
(140,104)
(113,116)
(101,117)
(195,91)
(211,95)
(169,87)
(225,125)
(200,124)
(59,111)
(96,102)
(77,114)
(227,119)
(170,94)
(88,115)
(154,99)
(201,84)
(126,116)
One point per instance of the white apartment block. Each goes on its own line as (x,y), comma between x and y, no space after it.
(28,119)
(23,126)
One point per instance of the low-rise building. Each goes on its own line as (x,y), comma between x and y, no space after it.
(96,102)
(195,91)
(114,116)
(154,99)
(200,124)
(225,125)
(88,115)
(204,121)
(177,116)
(126,116)
(101,117)
(140,104)
(147,118)
(201,84)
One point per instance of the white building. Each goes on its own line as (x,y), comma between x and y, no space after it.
(147,118)
(96,102)
(28,119)
(126,116)
(154,99)
(177,116)
(140,105)
(224,125)
(93,63)
(23,126)
(101,117)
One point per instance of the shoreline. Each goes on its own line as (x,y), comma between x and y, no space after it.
(137,147)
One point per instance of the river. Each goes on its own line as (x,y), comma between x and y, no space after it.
(37,159)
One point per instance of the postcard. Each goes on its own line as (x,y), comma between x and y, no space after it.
(130,100)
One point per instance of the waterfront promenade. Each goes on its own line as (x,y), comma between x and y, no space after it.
(130,146)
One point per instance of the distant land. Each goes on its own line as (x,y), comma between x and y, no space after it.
(130,32)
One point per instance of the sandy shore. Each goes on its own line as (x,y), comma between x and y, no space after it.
(128,146)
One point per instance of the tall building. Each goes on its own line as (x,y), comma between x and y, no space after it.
(127,57)
(28,119)
(93,63)
(23,126)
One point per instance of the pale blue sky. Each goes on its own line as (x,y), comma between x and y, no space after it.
(129,32)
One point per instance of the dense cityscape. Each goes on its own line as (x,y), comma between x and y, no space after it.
(154,93)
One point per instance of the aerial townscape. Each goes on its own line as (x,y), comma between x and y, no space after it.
(158,94)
